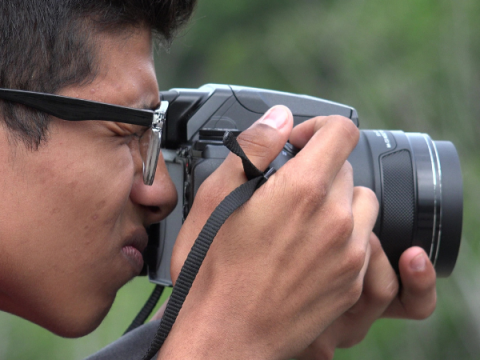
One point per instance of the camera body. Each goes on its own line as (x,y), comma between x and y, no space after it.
(192,146)
(417,181)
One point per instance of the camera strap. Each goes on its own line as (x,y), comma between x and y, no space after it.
(197,254)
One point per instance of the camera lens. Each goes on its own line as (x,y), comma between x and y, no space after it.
(419,187)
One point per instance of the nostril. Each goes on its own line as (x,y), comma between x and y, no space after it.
(154,209)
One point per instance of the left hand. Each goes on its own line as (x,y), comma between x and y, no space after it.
(381,297)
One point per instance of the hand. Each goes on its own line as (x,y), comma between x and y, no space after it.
(381,298)
(290,261)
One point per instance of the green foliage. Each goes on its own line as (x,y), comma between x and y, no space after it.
(410,65)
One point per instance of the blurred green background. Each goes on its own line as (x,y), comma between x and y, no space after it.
(410,65)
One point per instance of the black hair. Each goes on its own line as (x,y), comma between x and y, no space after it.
(46,45)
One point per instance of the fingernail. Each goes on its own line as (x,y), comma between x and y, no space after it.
(276,117)
(418,263)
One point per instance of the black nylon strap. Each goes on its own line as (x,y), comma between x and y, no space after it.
(230,141)
(199,249)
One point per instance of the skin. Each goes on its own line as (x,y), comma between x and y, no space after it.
(76,203)
(277,301)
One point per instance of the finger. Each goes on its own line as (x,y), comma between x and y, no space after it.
(381,283)
(264,140)
(365,212)
(304,131)
(341,191)
(418,296)
(379,289)
(329,147)
(334,202)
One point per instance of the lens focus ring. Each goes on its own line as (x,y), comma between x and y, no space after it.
(398,195)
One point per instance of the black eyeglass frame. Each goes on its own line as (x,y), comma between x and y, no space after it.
(72,109)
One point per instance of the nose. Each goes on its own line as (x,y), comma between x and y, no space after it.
(156,200)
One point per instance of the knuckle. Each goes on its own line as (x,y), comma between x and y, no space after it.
(354,292)
(311,194)
(317,191)
(347,166)
(355,261)
(342,217)
(367,195)
(384,295)
(320,189)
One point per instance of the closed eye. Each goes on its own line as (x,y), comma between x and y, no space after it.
(141,132)
(128,130)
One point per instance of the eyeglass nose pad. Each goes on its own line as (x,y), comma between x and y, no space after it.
(154,144)
(150,163)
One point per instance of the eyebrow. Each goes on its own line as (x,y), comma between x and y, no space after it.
(73,109)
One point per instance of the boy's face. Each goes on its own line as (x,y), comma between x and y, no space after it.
(74,212)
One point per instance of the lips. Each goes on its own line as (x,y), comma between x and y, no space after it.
(134,246)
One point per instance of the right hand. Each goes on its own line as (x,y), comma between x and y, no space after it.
(290,261)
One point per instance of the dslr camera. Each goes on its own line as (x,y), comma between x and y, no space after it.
(417,181)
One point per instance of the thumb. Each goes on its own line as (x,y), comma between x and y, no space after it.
(264,140)
(261,142)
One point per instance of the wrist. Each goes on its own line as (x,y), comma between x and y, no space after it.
(206,330)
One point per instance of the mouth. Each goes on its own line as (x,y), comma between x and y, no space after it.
(134,246)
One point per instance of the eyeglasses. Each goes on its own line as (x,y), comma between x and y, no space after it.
(72,109)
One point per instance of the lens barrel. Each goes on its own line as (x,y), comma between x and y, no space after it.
(418,184)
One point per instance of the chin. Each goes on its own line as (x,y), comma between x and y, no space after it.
(77,323)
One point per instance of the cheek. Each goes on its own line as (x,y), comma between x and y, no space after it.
(95,194)
(75,205)
(65,224)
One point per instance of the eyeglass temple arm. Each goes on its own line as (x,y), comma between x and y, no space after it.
(76,109)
